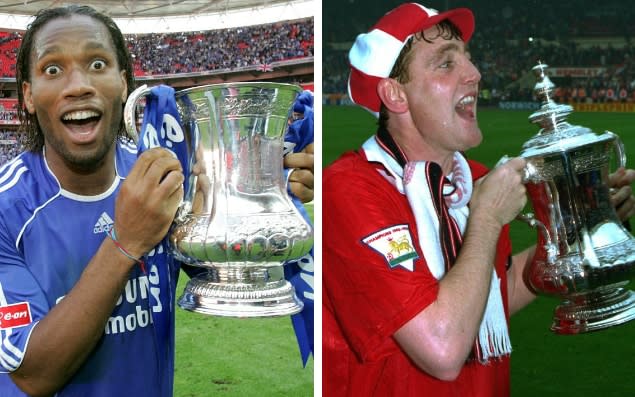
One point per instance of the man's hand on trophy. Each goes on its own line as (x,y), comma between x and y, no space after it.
(301,176)
(148,200)
(622,193)
(501,194)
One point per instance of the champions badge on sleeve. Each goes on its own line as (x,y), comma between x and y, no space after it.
(395,244)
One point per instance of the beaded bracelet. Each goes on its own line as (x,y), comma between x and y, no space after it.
(113,237)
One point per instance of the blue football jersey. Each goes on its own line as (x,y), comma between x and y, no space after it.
(300,272)
(47,237)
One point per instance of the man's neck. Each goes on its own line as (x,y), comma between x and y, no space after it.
(88,180)
(416,148)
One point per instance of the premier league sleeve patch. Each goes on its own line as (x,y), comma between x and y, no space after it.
(395,244)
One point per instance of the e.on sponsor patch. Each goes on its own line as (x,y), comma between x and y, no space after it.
(395,244)
(15,315)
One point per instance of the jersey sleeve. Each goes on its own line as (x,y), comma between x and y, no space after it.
(22,305)
(371,294)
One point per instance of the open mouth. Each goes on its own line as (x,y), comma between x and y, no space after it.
(81,121)
(466,107)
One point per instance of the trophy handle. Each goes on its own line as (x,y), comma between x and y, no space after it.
(550,247)
(129,111)
(618,145)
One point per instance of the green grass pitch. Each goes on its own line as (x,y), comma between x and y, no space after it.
(543,364)
(252,357)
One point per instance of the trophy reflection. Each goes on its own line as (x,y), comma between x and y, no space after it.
(237,222)
(584,255)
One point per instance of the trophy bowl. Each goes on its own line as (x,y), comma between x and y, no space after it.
(584,255)
(237,222)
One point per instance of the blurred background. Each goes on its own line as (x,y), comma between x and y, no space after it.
(592,39)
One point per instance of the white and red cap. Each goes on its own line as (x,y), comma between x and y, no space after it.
(374,54)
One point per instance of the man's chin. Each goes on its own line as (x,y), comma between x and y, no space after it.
(86,161)
(474,139)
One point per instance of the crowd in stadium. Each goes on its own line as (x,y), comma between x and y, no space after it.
(9,147)
(221,49)
(8,115)
(195,52)
(186,52)
(502,67)
(510,40)
(501,49)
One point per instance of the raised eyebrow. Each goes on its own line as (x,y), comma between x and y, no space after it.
(92,45)
(98,45)
(48,51)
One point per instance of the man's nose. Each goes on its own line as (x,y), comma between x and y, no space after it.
(78,83)
(472,75)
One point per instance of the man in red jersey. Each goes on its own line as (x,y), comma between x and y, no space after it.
(417,287)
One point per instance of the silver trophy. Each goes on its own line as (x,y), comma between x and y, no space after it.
(236,221)
(584,254)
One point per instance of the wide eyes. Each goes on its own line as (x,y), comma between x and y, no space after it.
(54,70)
(98,64)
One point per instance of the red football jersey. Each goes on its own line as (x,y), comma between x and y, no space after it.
(375,280)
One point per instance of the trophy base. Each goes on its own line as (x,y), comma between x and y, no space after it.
(593,312)
(232,297)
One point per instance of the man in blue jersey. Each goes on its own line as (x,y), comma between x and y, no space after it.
(81,314)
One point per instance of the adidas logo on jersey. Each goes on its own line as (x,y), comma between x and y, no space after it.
(104,224)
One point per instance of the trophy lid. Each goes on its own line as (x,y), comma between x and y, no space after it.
(556,134)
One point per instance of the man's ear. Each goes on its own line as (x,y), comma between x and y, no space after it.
(392,95)
(28,98)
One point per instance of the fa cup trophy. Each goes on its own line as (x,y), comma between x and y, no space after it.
(584,255)
(236,221)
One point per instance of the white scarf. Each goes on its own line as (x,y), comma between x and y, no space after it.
(493,336)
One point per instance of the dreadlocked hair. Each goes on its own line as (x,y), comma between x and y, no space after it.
(30,134)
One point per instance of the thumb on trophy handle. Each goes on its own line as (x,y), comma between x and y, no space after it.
(528,171)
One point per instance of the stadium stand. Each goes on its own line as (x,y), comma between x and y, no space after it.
(181,53)
(589,43)
(187,52)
